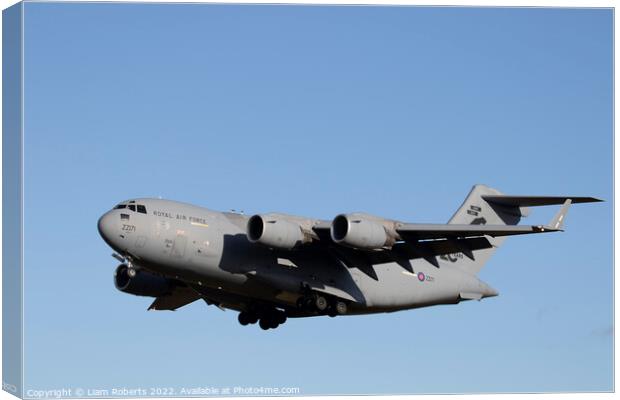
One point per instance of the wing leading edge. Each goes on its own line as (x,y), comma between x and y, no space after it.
(410,232)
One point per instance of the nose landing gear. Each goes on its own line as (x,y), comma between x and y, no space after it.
(131,271)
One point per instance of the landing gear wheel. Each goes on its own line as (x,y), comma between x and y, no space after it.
(341,307)
(264,323)
(244,318)
(282,318)
(321,303)
(311,303)
(301,302)
(273,322)
(272,319)
(252,318)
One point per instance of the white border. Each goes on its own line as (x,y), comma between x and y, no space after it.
(475,3)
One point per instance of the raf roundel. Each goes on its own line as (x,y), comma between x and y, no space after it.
(421,276)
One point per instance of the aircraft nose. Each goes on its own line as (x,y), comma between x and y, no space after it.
(106,225)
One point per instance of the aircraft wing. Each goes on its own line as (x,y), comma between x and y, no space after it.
(527,201)
(428,241)
(431,248)
(419,232)
(412,232)
(440,231)
(180,296)
(425,241)
(402,252)
(415,232)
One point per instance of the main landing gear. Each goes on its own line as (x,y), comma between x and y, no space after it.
(320,304)
(311,303)
(270,319)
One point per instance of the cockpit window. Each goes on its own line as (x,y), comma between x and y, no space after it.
(132,206)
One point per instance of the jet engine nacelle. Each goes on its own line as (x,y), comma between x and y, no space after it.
(362,231)
(276,231)
(142,284)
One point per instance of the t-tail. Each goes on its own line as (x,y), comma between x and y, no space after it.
(488,206)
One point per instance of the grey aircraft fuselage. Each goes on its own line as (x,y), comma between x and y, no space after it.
(210,249)
(273,266)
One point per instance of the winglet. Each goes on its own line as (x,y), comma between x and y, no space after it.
(557,223)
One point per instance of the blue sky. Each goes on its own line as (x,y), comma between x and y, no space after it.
(396,111)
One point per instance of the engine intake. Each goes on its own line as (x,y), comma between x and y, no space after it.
(276,231)
(361,231)
(142,284)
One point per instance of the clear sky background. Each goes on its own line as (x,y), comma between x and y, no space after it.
(396,111)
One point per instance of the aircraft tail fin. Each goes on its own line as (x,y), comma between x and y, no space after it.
(487,206)
(483,207)
(475,210)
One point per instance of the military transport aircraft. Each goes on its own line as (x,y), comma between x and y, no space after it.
(270,267)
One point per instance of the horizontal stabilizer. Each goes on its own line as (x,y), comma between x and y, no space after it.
(532,201)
